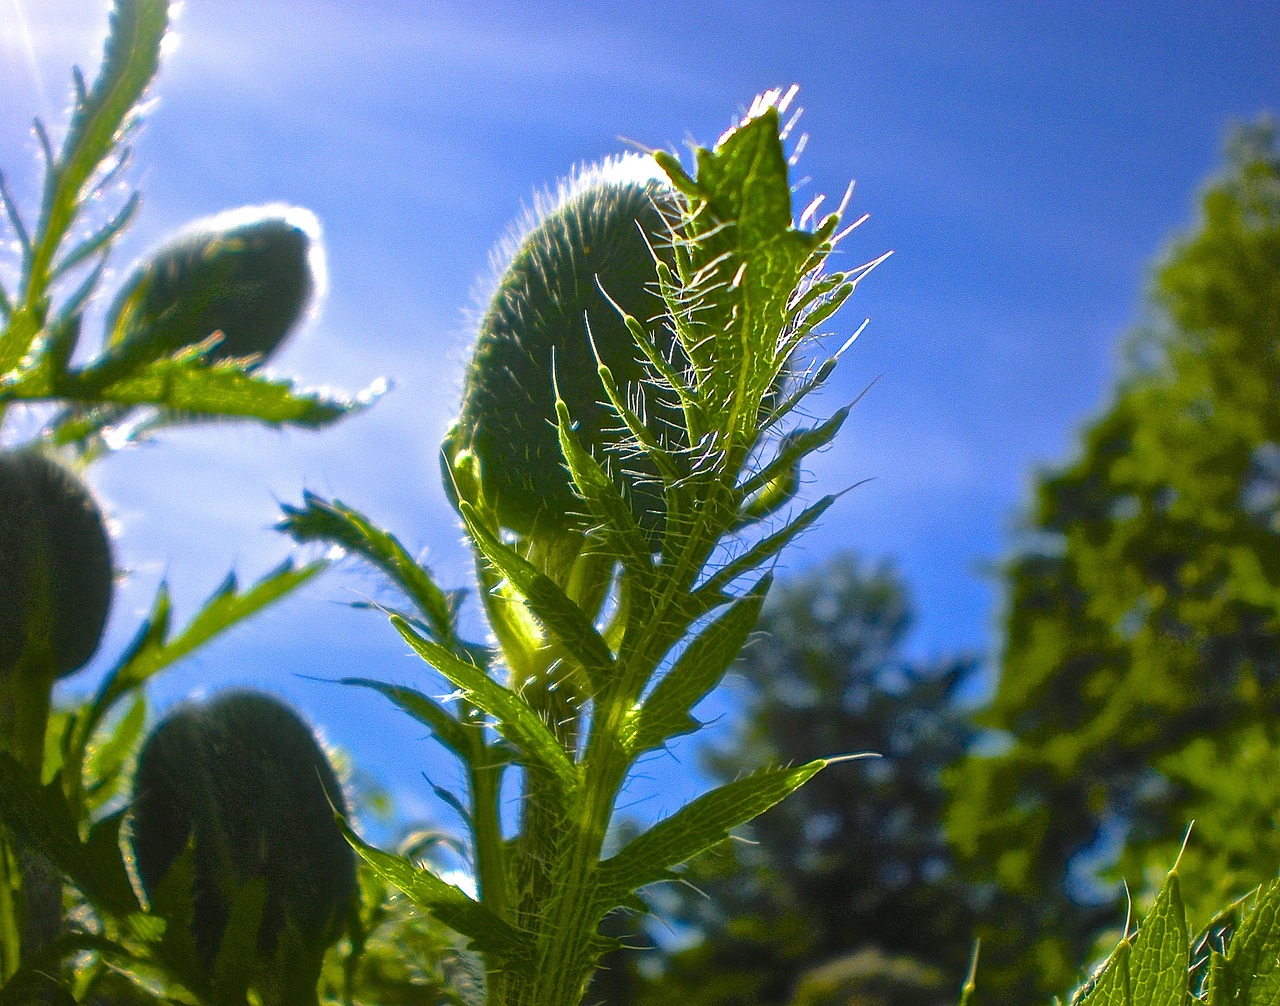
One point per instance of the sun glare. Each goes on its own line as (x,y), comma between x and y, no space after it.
(24,33)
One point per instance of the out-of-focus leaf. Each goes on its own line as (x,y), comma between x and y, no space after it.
(106,757)
(338,524)
(187,384)
(130,59)
(449,904)
(39,817)
(229,605)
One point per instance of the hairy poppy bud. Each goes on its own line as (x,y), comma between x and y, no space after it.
(248,274)
(242,782)
(56,575)
(599,237)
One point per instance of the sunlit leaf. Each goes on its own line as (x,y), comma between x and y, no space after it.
(512,715)
(699,825)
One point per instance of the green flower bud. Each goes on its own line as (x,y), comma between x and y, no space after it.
(248,274)
(56,575)
(601,234)
(242,782)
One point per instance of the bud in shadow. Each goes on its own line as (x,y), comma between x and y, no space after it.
(232,825)
(55,567)
(247,274)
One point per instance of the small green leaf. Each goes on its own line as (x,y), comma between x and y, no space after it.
(1220,990)
(549,604)
(107,756)
(514,719)
(227,607)
(766,548)
(488,933)
(99,241)
(666,712)
(1254,954)
(1158,963)
(1109,986)
(613,517)
(698,826)
(795,447)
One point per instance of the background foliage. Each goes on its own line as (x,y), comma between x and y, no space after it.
(1140,674)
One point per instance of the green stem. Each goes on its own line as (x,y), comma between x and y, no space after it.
(566,922)
(24,716)
(490,851)
(10,928)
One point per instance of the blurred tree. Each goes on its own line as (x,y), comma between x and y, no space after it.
(849,878)
(1140,676)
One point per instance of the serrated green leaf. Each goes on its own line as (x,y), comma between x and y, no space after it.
(498,939)
(666,713)
(513,717)
(1110,984)
(1254,953)
(226,607)
(129,62)
(187,384)
(130,59)
(698,826)
(741,251)
(766,548)
(335,522)
(605,503)
(1158,963)
(1219,988)
(745,178)
(549,604)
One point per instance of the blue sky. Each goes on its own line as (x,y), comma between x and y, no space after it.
(1025,162)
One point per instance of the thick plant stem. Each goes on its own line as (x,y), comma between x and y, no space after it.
(491,867)
(565,928)
(29,902)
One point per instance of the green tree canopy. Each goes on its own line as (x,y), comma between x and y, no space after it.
(1140,675)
